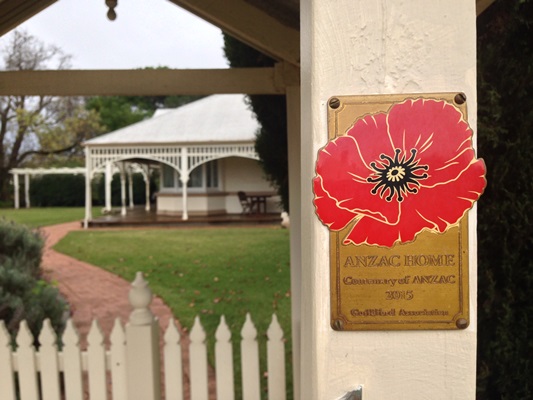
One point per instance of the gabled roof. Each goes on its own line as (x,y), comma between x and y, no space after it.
(219,118)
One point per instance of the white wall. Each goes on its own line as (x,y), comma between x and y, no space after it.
(352,47)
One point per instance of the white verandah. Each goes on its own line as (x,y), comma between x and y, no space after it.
(183,158)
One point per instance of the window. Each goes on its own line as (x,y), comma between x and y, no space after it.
(204,176)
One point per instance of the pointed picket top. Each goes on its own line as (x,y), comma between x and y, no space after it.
(24,336)
(248,329)
(197,332)
(95,336)
(172,334)
(223,334)
(274,331)
(48,336)
(118,336)
(70,335)
(140,297)
(5,339)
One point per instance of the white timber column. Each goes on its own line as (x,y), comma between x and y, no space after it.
(130,186)
(88,189)
(184,177)
(293,146)
(16,189)
(108,178)
(27,190)
(146,176)
(352,47)
(122,168)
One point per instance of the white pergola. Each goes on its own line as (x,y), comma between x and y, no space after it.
(211,128)
(28,172)
(335,48)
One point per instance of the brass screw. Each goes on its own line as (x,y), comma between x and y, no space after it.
(460,98)
(338,325)
(461,323)
(334,103)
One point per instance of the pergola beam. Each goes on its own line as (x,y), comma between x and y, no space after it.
(15,12)
(144,82)
(250,25)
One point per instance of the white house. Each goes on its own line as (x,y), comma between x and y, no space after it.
(204,151)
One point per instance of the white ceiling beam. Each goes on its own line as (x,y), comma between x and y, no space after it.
(145,82)
(15,12)
(250,25)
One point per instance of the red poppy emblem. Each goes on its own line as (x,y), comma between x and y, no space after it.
(396,174)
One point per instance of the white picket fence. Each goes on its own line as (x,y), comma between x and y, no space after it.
(131,368)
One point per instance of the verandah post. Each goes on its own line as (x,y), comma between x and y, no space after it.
(357,47)
(142,345)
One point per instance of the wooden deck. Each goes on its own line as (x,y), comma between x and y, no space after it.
(140,217)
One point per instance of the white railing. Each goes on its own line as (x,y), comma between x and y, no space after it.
(131,369)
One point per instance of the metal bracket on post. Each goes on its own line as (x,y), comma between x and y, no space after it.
(356,394)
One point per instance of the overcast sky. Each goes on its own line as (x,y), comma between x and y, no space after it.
(146,33)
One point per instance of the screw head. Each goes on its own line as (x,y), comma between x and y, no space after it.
(334,103)
(338,325)
(460,98)
(461,323)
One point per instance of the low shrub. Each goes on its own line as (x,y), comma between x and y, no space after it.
(19,243)
(24,295)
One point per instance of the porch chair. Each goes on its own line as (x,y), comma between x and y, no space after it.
(246,203)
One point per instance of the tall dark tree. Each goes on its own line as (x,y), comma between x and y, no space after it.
(505,141)
(271,112)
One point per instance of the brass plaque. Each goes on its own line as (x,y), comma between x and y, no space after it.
(403,266)
(419,285)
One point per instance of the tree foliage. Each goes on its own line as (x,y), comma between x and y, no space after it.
(505,141)
(36,126)
(271,112)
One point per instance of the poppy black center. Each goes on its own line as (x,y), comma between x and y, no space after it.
(395,176)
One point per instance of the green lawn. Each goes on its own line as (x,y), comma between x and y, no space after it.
(203,271)
(38,217)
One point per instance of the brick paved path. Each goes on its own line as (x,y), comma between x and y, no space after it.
(94,293)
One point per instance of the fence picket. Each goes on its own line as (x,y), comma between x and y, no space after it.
(251,389)
(7,383)
(96,363)
(276,361)
(72,363)
(198,362)
(49,361)
(29,389)
(224,362)
(173,363)
(118,361)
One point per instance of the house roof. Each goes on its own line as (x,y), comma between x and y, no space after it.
(218,118)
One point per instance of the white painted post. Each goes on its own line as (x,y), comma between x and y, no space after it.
(27,190)
(122,189)
(184,176)
(130,187)
(142,345)
(16,190)
(293,145)
(352,47)
(145,170)
(108,178)
(88,189)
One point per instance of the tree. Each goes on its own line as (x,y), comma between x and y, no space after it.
(505,244)
(33,126)
(271,112)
